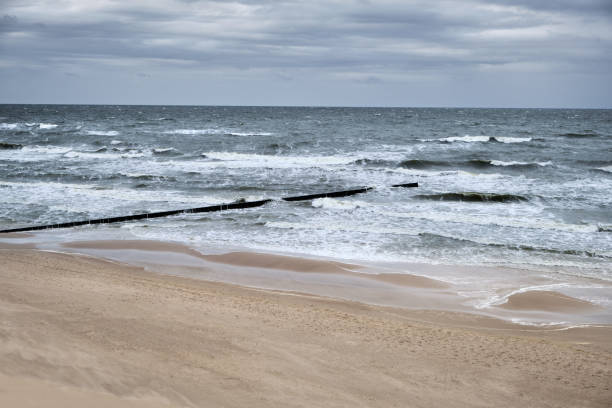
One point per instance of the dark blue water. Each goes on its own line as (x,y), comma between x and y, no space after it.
(525,188)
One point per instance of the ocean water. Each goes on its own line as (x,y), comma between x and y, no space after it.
(528,189)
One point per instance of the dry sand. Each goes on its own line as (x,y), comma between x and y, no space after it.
(78,331)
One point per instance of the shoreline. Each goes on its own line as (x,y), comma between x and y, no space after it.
(78,328)
(410,286)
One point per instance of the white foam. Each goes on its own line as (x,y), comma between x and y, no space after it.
(84,197)
(215,131)
(500,299)
(103,133)
(607,169)
(250,133)
(74,154)
(340,227)
(47,125)
(132,155)
(8,126)
(517,163)
(35,153)
(524,322)
(512,139)
(116,142)
(334,204)
(164,150)
(195,132)
(246,160)
(467,139)
(502,221)
(47,149)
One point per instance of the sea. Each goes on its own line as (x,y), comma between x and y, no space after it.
(525,190)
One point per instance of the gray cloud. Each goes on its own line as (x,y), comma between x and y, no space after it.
(419,45)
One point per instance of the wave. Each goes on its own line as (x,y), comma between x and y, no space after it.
(47,125)
(168,151)
(248,160)
(11,126)
(532,222)
(249,133)
(519,164)
(102,132)
(80,196)
(215,131)
(148,177)
(331,226)
(35,152)
(520,247)
(584,134)
(116,142)
(423,164)
(605,169)
(374,162)
(10,146)
(475,163)
(103,154)
(480,139)
(194,132)
(473,197)
(334,204)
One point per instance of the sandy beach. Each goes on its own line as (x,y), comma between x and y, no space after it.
(78,331)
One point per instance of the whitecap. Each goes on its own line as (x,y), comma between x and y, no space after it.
(73,154)
(166,151)
(116,142)
(517,163)
(195,132)
(607,169)
(250,133)
(334,204)
(8,126)
(47,125)
(512,139)
(248,160)
(103,133)
(467,138)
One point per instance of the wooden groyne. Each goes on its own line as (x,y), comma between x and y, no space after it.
(212,208)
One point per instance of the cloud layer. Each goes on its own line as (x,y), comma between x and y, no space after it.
(387,52)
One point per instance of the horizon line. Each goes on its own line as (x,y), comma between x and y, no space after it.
(310,106)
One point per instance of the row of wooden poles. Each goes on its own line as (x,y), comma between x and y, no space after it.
(212,208)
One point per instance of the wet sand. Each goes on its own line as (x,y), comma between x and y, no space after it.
(266,261)
(546,300)
(82,331)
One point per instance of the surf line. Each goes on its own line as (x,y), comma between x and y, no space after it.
(212,208)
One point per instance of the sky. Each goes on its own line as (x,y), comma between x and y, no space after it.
(473,53)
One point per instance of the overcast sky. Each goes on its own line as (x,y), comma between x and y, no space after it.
(498,53)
